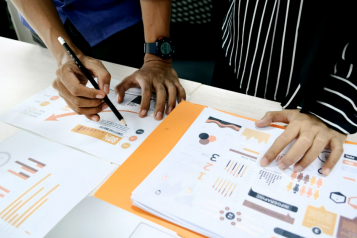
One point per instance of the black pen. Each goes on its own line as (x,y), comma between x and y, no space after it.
(90,78)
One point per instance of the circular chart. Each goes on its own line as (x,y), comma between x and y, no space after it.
(205,138)
(140,131)
(43,104)
(4,158)
(125,145)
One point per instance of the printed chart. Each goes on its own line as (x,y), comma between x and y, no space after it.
(40,184)
(48,115)
(211,182)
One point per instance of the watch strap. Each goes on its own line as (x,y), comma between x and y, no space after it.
(150,48)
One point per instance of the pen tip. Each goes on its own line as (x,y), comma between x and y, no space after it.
(123,121)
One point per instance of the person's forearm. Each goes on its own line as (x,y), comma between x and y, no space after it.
(44,19)
(156,19)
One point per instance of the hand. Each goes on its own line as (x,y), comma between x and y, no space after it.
(155,75)
(71,85)
(312,137)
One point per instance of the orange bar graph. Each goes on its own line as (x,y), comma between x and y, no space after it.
(4,189)
(236,170)
(16,174)
(23,204)
(244,170)
(251,151)
(32,212)
(11,209)
(39,200)
(13,218)
(28,170)
(98,134)
(3,211)
(228,189)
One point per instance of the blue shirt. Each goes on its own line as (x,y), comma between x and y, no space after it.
(96,20)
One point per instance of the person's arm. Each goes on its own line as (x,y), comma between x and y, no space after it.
(44,19)
(327,101)
(156,74)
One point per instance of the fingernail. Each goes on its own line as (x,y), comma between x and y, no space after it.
(106,88)
(327,172)
(99,96)
(282,166)
(143,112)
(118,98)
(298,168)
(170,109)
(264,162)
(105,106)
(94,118)
(158,115)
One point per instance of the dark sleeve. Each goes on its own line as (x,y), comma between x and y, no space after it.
(325,59)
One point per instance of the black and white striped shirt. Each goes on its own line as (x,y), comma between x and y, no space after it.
(295,52)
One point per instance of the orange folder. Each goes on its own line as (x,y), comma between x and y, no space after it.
(118,188)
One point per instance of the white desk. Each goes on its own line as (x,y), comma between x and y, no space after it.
(27,69)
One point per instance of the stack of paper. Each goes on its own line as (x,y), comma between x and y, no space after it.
(211,183)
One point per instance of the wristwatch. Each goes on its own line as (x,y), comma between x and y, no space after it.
(163,48)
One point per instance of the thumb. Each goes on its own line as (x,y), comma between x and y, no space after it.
(269,117)
(122,87)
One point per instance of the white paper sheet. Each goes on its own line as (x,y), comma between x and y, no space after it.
(211,182)
(41,181)
(48,115)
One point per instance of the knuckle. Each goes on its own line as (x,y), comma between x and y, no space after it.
(76,101)
(283,138)
(75,91)
(321,140)
(306,139)
(338,149)
(161,87)
(147,94)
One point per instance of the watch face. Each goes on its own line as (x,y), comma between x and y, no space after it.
(165,48)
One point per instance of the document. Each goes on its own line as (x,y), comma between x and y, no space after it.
(48,115)
(212,183)
(41,181)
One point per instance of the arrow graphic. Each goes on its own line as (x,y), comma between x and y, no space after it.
(55,117)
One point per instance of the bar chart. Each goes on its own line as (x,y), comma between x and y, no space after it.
(27,169)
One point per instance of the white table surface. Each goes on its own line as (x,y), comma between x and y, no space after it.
(26,69)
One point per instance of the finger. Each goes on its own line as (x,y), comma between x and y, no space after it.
(146,95)
(318,145)
(71,82)
(279,144)
(303,143)
(97,69)
(336,152)
(93,117)
(160,100)
(122,87)
(181,93)
(76,101)
(269,117)
(171,102)
(88,112)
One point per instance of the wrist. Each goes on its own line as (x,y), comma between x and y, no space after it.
(59,52)
(151,57)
